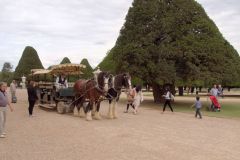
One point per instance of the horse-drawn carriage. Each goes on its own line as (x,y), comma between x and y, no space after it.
(51,96)
(82,96)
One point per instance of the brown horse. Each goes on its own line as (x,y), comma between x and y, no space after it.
(114,91)
(88,92)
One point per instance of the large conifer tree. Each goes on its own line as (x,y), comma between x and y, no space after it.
(108,63)
(174,42)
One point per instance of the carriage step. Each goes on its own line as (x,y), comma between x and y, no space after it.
(48,106)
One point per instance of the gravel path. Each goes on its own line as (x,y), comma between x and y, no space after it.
(147,136)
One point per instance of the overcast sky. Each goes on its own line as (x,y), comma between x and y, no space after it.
(83,28)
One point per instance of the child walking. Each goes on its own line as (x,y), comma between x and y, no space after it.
(198,106)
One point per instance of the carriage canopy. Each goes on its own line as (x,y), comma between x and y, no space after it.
(69,69)
(40,72)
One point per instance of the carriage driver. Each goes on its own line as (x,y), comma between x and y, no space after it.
(61,82)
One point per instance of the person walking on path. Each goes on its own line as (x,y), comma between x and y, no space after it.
(13,88)
(3,108)
(32,97)
(198,106)
(130,98)
(168,97)
(138,99)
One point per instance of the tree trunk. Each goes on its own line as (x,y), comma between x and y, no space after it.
(159,90)
(200,89)
(180,91)
(158,93)
(192,90)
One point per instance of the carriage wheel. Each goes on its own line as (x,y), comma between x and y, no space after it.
(61,108)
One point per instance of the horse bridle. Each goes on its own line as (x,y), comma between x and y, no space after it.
(126,78)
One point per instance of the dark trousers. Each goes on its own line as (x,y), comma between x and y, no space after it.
(167,102)
(31,105)
(131,105)
(198,113)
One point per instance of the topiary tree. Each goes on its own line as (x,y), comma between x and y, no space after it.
(88,71)
(65,60)
(169,42)
(28,61)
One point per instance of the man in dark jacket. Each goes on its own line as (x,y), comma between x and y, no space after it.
(32,97)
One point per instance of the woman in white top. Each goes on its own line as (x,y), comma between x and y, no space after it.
(138,98)
(61,82)
(168,98)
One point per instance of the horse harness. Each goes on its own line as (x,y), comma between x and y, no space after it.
(116,91)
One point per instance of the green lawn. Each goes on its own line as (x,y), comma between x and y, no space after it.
(227,110)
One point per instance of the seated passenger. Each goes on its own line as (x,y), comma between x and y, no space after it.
(61,82)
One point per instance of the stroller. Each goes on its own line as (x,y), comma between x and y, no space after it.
(215,106)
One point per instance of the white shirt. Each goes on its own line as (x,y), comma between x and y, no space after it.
(168,95)
(58,84)
(214,92)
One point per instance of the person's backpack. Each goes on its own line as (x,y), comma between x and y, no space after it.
(14,99)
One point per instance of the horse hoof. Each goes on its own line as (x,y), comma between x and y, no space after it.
(97,116)
(76,114)
(110,117)
(89,119)
(81,116)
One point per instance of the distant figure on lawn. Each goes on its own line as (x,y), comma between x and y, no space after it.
(168,97)
(214,91)
(198,106)
(220,91)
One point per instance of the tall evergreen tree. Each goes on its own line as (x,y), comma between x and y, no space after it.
(65,60)
(108,63)
(28,61)
(88,71)
(174,42)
